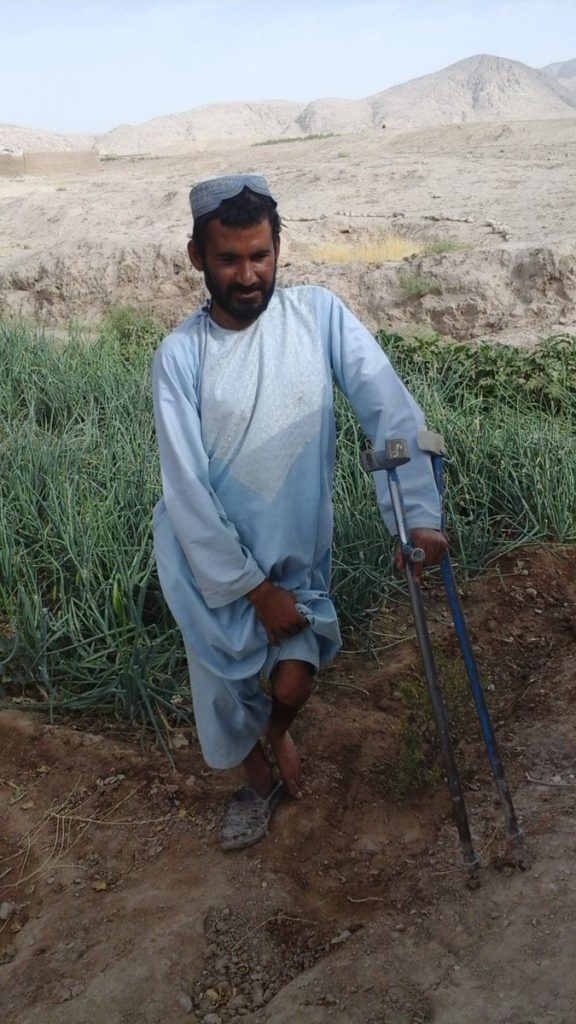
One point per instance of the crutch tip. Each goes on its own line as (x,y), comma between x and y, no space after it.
(473,877)
(472,862)
(515,856)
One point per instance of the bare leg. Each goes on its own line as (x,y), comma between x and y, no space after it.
(258,771)
(292,685)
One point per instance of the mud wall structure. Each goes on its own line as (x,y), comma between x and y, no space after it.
(59,163)
(47,163)
(11,166)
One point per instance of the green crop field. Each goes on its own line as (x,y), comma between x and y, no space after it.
(83,626)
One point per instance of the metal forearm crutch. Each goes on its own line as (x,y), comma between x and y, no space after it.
(433,444)
(396,454)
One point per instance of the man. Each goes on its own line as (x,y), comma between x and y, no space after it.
(244,416)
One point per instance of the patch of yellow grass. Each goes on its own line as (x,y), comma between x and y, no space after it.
(386,248)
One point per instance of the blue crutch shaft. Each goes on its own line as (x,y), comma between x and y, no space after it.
(393,455)
(433,444)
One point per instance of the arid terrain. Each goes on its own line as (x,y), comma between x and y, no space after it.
(487,207)
(116,904)
(118,907)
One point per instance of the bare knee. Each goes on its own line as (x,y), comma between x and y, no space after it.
(292,682)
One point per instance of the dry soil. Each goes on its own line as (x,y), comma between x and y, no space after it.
(118,907)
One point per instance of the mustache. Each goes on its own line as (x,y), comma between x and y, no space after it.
(238,289)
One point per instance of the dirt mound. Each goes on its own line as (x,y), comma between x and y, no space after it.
(511,293)
(116,905)
(153,277)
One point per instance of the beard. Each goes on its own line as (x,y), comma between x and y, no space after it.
(244,304)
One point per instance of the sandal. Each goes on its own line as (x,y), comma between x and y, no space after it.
(247,816)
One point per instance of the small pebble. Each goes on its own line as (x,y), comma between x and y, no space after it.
(257,995)
(185,1002)
(7,910)
(237,1002)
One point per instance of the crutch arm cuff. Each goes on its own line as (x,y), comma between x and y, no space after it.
(429,441)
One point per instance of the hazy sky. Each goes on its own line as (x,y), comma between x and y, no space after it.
(89,65)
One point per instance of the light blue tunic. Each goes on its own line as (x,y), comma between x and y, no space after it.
(246,432)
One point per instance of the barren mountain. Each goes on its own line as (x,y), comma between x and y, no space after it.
(335,117)
(202,124)
(14,139)
(480,88)
(565,74)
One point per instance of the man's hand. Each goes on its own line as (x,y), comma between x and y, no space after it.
(432,542)
(277,611)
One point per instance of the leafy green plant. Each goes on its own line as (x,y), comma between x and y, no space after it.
(133,331)
(295,138)
(415,286)
(541,377)
(442,245)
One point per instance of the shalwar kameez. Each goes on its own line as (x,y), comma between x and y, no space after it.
(245,425)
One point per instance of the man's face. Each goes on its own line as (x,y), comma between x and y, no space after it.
(239,267)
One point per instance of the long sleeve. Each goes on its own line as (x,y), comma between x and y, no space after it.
(223,568)
(385,409)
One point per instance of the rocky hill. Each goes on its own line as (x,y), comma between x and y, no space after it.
(564,73)
(480,88)
(204,124)
(14,139)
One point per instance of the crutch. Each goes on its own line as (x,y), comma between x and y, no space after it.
(393,455)
(433,444)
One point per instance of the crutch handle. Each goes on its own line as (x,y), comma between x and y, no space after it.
(395,453)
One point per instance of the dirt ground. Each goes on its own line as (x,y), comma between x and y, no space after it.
(117,906)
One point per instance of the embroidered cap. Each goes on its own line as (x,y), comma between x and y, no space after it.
(207,195)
